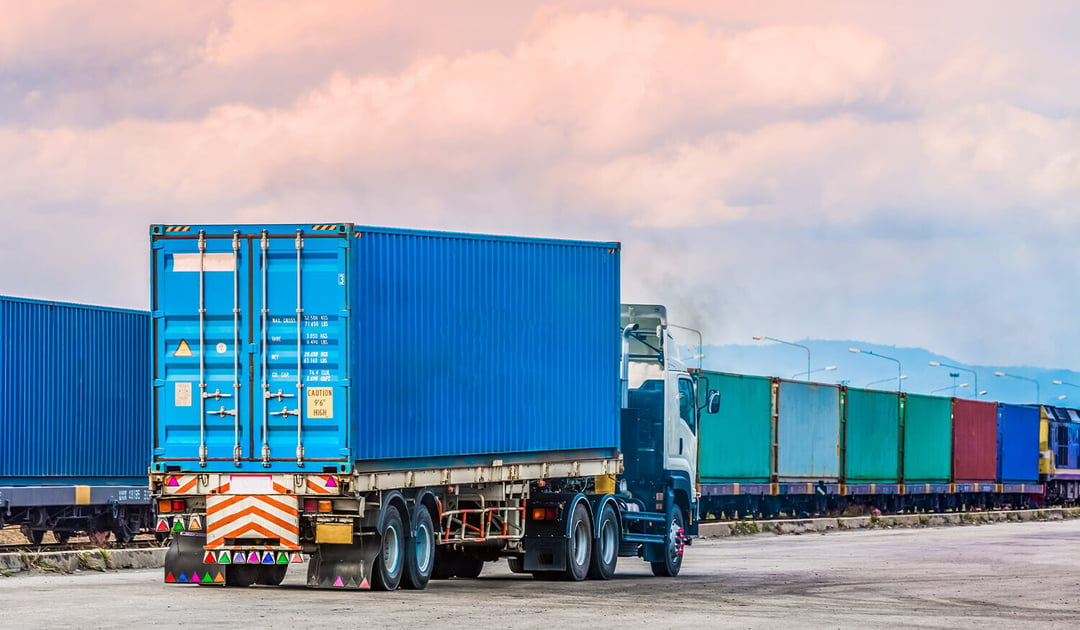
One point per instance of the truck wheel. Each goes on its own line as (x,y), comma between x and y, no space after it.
(579,545)
(673,547)
(390,561)
(516,564)
(469,566)
(446,561)
(420,552)
(606,549)
(241,575)
(271,575)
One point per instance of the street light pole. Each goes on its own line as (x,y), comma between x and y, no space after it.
(1038,396)
(885,380)
(828,368)
(975,375)
(952,387)
(788,343)
(899,367)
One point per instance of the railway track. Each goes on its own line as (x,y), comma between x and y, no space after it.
(78,546)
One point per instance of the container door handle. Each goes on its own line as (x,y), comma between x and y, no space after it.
(680,446)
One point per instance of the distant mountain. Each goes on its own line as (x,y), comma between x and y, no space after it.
(864,369)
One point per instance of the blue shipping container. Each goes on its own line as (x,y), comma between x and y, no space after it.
(411,349)
(808,432)
(1018,444)
(74,394)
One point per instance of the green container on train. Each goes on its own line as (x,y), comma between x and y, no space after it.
(927,439)
(871,436)
(736,442)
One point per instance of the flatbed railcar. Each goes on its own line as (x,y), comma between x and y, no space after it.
(74,430)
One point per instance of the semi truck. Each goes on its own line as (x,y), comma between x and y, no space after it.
(394,406)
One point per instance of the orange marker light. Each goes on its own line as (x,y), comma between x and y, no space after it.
(326,506)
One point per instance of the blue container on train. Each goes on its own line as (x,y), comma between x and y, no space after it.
(74,394)
(1018,444)
(336,347)
(808,432)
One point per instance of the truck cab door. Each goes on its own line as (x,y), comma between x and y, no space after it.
(680,427)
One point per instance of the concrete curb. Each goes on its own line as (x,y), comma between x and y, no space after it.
(84,560)
(822,525)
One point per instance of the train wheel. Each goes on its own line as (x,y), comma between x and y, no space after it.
(34,536)
(61,536)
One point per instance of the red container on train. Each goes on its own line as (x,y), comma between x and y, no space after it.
(974,441)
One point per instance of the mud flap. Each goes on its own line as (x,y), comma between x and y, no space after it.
(342,566)
(184,561)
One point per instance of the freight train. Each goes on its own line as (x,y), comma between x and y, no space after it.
(74,420)
(779,446)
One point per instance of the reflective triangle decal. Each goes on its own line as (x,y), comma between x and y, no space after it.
(194,576)
(178,525)
(162,525)
(209,558)
(170,578)
(207,579)
(224,558)
(268,558)
(351,583)
(219,578)
(183,578)
(173,483)
(253,558)
(194,524)
(282,558)
(338,582)
(330,483)
(364,583)
(238,558)
(182,350)
(296,557)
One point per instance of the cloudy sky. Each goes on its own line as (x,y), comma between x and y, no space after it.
(900,173)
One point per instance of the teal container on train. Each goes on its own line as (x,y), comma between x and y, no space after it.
(807,432)
(927,438)
(736,442)
(871,436)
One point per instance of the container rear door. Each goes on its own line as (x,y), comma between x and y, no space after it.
(251,344)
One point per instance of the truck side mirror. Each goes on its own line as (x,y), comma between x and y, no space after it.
(714,401)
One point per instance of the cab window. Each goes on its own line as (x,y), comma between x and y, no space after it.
(686,402)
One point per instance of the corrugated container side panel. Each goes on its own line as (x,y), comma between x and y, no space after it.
(974,440)
(74,393)
(472,346)
(808,432)
(1018,443)
(872,434)
(927,439)
(736,442)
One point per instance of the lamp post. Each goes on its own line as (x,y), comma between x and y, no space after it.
(899,367)
(828,368)
(952,387)
(1038,396)
(1065,383)
(885,380)
(788,343)
(975,375)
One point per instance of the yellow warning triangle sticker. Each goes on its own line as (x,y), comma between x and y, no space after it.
(183,350)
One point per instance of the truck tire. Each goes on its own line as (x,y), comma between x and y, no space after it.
(271,575)
(241,574)
(420,552)
(579,545)
(673,546)
(605,554)
(390,560)
(516,564)
(445,564)
(469,566)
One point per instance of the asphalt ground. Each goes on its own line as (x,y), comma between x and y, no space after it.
(1006,575)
